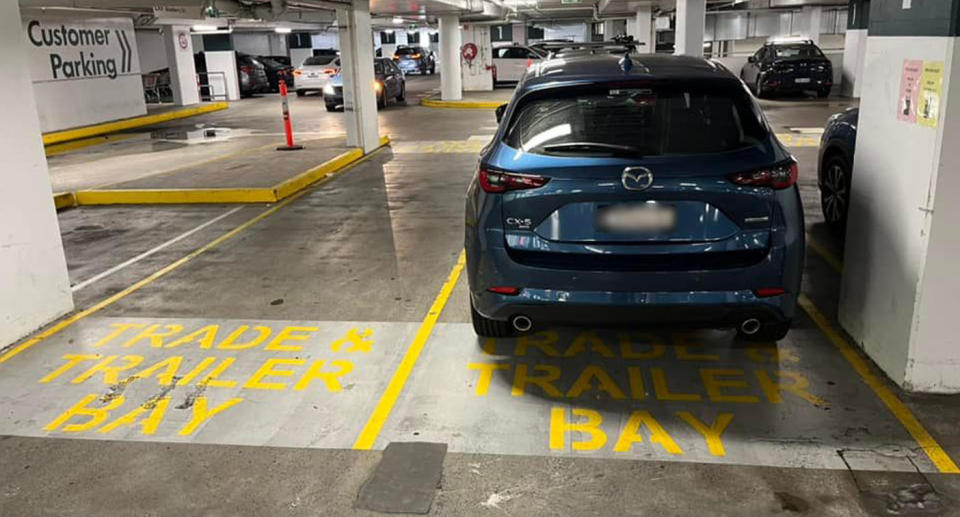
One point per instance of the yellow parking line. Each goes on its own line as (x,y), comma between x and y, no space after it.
(62,324)
(384,406)
(434,103)
(63,200)
(66,147)
(57,137)
(825,253)
(927,442)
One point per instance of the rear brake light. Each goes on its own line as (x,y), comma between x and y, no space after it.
(330,71)
(780,176)
(246,69)
(297,72)
(415,56)
(497,181)
(766,292)
(510,291)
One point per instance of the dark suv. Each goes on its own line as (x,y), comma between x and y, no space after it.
(788,68)
(415,59)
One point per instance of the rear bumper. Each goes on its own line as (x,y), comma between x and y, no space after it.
(714,309)
(788,84)
(409,66)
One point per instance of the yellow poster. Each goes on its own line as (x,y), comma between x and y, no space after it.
(931,85)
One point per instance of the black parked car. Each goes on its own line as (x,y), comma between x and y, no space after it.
(252,75)
(415,59)
(389,84)
(788,68)
(835,167)
(277,71)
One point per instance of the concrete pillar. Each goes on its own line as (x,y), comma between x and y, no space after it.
(899,287)
(183,76)
(691,20)
(451,83)
(854,47)
(809,26)
(356,65)
(33,272)
(642,29)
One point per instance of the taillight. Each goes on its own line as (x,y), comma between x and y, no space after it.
(766,292)
(780,176)
(396,58)
(297,72)
(247,69)
(415,56)
(497,181)
(502,289)
(330,71)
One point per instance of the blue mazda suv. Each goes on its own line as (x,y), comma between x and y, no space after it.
(637,191)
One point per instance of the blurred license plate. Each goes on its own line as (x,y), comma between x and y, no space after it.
(312,74)
(648,217)
(802,80)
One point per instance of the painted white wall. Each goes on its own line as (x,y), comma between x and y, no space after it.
(577,31)
(854,50)
(65,102)
(327,39)
(253,43)
(150,48)
(297,55)
(477,75)
(223,61)
(898,291)
(33,272)
(690,27)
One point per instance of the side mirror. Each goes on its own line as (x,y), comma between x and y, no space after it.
(751,59)
(499,111)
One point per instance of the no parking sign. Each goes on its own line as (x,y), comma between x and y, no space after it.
(468,52)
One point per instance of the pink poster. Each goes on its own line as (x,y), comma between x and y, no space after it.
(909,90)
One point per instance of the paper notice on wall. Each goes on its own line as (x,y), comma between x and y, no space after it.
(931,86)
(909,90)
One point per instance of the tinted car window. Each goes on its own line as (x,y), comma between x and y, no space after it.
(786,51)
(402,51)
(271,63)
(647,121)
(378,67)
(319,60)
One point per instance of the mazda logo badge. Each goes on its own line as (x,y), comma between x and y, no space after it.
(636,178)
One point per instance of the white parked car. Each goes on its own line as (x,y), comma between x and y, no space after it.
(315,73)
(511,61)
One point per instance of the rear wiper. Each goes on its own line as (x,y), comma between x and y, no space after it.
(594,147)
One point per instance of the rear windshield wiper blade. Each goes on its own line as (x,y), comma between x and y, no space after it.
(594,147)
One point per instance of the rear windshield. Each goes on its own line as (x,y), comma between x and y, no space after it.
(402,51)
(318,60)
(797,51)
(638,121)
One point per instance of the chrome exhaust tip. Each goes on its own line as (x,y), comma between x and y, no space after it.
(750,326)
(521,323)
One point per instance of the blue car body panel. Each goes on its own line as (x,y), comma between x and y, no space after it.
(728,240)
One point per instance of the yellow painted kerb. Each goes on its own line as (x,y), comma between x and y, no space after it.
(57,137)
(370,432)
(436,103)
(924,439)
(63,200)
(272,194)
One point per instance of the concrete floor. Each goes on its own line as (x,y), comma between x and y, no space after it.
(312,306)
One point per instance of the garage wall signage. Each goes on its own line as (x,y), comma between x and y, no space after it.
(84,71)
(921,84)
(80,51)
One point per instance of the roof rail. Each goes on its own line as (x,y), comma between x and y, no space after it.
(620,44)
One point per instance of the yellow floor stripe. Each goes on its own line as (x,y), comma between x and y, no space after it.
(828,256)
(933,450)
(62,324)
(57,137)
(66,147)
(385,405)
(63,200)
(435,103)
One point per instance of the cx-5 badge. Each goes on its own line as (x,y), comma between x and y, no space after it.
(636,178)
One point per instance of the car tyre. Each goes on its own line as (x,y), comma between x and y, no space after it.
(768,332)
(824,93)
(758,89)
(486,327)
(835,191)
(331,107)
(301,93)
(403,93)
(382,99)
